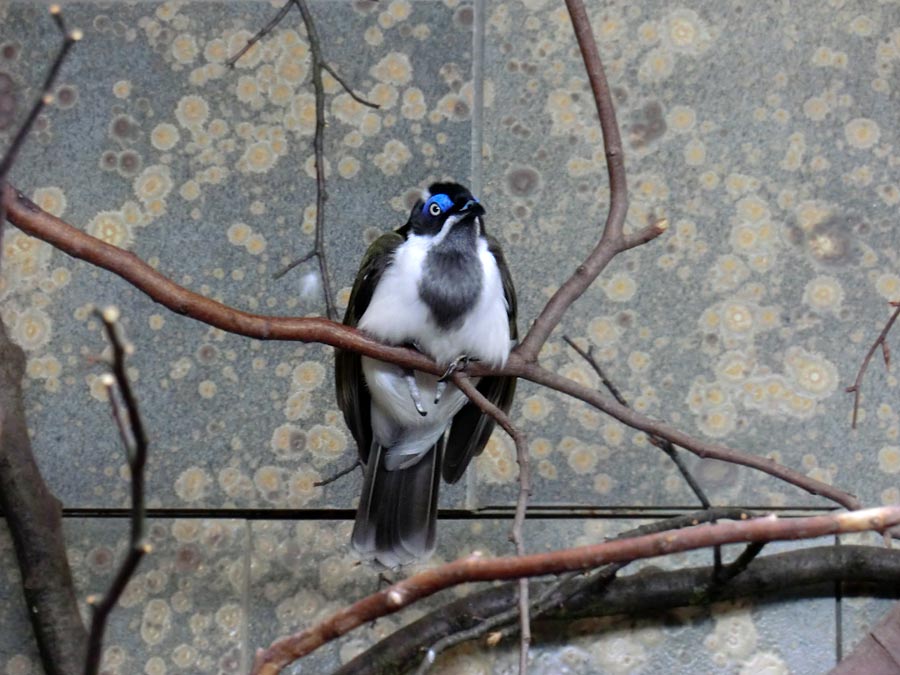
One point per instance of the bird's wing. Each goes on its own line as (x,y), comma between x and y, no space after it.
(471,429)
(352,394)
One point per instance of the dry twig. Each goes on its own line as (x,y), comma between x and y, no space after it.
(523,459)
(318,65)
(881,341)
(477,568)
(134,438)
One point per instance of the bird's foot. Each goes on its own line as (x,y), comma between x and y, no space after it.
(414,393)
(458,363)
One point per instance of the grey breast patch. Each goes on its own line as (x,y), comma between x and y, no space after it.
(452,277)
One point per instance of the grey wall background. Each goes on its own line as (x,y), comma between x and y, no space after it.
(765,132)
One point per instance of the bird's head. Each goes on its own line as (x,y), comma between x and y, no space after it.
(443,206)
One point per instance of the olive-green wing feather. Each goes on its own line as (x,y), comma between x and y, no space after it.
(352,394)
(471,428)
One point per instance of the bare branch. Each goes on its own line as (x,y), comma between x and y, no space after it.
(476,568)
(808,572)
(341,81)
(337,476)
(705,449)
(612,241)
(29,218)
(30,509)
(523,459)
(551,594)
(880,341)
(315,49)
(318,65)
(134,437)
(263,32)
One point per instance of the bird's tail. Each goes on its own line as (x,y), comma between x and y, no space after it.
(397,513)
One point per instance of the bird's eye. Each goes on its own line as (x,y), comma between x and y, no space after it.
(437,204)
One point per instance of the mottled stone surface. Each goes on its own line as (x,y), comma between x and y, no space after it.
(764,132)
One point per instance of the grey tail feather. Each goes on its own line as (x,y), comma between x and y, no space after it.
(397,514)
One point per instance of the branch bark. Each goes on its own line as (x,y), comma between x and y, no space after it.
(476,568)
(34,516)
(809,572)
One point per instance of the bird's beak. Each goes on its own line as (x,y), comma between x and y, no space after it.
(472,208)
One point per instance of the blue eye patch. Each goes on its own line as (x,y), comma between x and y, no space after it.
(443,202)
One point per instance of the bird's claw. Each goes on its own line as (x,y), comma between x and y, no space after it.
(458,363)
(414,393)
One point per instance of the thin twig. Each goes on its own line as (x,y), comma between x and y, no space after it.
(318,65)
(880,341)
(739,564)
(341,81)
(477,568)
(315,50)
(663,444)
(44,99)
(337,476)
(268,28)
(134,437)
(295,263)
(523,459)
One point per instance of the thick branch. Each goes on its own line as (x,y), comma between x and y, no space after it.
(475,568)
(809,572)
(29,218)
(34,516)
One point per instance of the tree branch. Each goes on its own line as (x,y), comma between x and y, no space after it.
(612,240)
(879,342)
(808,572)
(34,517)
(134,438)
(476,568)
(318,65)
(470,624)
(523,459)
(29,218)
(32,512)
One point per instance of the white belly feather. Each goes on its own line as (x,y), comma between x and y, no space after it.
(397,315)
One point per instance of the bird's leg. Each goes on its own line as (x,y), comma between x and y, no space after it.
(411,384)
(459,362)
(414,393)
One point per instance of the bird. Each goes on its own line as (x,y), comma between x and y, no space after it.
(438,284)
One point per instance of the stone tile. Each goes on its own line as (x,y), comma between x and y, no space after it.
(210,180)
(181,612)
(747,319)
